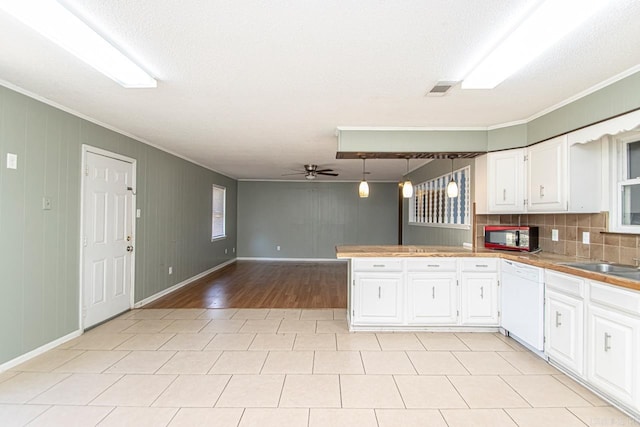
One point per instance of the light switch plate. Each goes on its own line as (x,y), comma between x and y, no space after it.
(554,235)
(585,237)
(12,161)
(137,213)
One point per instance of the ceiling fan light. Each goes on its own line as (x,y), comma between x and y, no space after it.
(407,189)
(452,189)
(363,189)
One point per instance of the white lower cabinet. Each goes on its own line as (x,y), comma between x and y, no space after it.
(564,330)
(613,343)
(378,298)
(432,298)
(479,298)
(564,320)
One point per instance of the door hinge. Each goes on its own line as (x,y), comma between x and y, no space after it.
(457,282)
(353,313)
(457,313)
(525,201)
(499,313)
(354,282)
(498,282)
(544,340)
(84,241)
(86,171)
(526,157)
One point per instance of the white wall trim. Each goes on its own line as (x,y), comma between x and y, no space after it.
(290,259)
(40,350)
(102,124)
(182,284)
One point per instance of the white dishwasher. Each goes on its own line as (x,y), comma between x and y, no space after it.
(523,303)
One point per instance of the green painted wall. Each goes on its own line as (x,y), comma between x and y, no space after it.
(39,250)
(308,219)
(617,98)
(440,236)
(402,141)
(507,137)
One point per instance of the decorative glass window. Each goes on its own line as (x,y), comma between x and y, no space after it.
(218,213)
(431,206)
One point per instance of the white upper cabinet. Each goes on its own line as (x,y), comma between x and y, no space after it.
(505,181)
(547,175)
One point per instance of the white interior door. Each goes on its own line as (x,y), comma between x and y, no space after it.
(108,214)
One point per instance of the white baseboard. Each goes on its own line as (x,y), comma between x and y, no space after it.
(291,259)
(38,351)
(182,284)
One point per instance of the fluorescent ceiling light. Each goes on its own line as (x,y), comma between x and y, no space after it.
(547,24)
(59,25)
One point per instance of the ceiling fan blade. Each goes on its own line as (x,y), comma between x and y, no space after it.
(324,170)
(295,173)
(327,173)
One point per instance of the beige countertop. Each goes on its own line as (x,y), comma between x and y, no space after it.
(540,259)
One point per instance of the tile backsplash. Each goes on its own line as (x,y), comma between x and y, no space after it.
(618,248)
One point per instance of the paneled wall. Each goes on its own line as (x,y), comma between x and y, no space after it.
(39,250)
(308,219)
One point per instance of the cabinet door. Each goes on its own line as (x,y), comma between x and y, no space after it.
(479,299)
(432,298)
(613,353)
(506,181)
(564,331)
(547,175)
(378,298)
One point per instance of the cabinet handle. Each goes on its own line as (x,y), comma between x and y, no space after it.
(542,191)
(482,265)
(607,337)
(558,323)
(379,292)
(504,194)
(433,292)
(378,265)
(481,292)
(433,265)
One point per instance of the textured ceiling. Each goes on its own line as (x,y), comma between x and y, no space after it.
(253,89)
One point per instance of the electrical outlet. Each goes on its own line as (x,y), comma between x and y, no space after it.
(585,237)
(12,161)
(554,235)
(278,248)
(46,203)
(170,270)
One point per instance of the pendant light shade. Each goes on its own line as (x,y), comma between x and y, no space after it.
(452,187)
(363,189)
(407,186)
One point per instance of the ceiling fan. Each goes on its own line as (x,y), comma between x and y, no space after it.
(312,171)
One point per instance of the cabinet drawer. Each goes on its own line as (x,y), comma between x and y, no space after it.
(432,264)
(564,283)
(377,264)
(479,264)
(615,297)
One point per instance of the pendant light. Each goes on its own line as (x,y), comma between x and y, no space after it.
(407,187)
(363,190)
(452,187)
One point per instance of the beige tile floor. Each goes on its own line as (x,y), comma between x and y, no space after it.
(266,368)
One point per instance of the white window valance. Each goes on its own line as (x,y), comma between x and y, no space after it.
(624,123)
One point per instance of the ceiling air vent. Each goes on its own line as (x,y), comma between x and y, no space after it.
(441,88)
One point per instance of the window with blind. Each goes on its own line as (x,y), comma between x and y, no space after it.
(218,212)
(431,206)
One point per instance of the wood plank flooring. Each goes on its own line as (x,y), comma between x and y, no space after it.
(265,284)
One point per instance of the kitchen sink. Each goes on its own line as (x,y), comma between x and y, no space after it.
(635,275)
(603,267)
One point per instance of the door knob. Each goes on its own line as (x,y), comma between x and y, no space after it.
(129,248)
